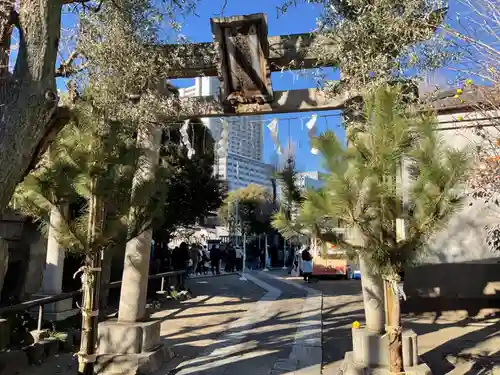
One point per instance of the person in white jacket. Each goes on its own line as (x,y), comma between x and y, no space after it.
(307,265)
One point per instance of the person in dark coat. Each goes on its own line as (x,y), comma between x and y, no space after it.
(180,257)
(215,255)
(175,257)
(231,256)
(262,258)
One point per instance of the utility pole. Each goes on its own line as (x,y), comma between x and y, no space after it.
(284,254)
(237,235)
(238,223)
(243,278)
(266,267)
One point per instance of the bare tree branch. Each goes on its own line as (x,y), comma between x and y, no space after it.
(221,13)
(75,1)
(66,68)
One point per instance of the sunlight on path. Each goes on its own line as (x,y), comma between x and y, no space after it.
(227,348)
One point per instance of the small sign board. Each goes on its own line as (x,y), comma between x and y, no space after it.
(243,48)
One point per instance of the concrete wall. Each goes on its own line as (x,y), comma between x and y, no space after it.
(459,270)
(470,289)
(464,239)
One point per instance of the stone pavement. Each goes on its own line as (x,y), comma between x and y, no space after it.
(195,324)
(189,326)
(456,345)
(274,324)
(259,326)
(450,344)
(280,334)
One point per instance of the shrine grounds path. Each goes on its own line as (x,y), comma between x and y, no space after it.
(273,324)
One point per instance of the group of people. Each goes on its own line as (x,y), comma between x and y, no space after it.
(192,258)
(197,260)
(229,255)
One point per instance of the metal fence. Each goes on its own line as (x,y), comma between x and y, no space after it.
(165,277)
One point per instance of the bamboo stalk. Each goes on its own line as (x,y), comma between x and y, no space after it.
(91,285)
(394,330)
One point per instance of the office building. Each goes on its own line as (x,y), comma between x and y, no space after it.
(250,172)
(304,180)
(245,147)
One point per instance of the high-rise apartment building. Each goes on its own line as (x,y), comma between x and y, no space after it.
(242,165)
(303,180)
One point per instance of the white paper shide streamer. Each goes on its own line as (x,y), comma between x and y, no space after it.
(273,128)
(311,131)
(224,138)
(185,139)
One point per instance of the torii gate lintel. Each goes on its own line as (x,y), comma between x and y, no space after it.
(243,54)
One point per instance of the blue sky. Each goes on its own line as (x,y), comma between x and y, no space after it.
(300,19)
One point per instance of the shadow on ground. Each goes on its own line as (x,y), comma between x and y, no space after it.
(447,341)
(469,344)
(248,349)
(342,305)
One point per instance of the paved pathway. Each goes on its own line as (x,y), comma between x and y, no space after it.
(189,326)
(280,334)
(272,324)
(451,344)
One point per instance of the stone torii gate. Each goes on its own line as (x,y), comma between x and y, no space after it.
(243,57)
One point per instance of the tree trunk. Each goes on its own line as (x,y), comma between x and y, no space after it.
(138,250)
(29,114)
(394,330)
(373,298)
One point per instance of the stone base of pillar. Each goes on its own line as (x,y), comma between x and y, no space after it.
(371,354)
(350,367)
(133,364)
(57,311)
(130,348)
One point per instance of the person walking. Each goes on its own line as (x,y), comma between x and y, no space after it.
(205,261)
(194,254)
(307,265)
(262,258)
(215,255)
(239,259)
(184,258)
(199,269)
(231,255)
(176,259)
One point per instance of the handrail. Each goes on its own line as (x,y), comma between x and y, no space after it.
(62,296)
(39,301)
